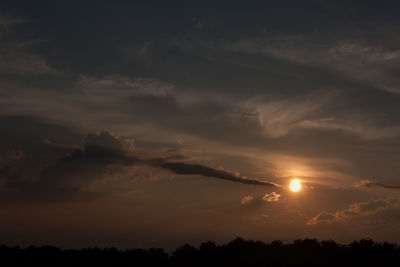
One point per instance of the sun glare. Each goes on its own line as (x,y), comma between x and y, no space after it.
(295,185)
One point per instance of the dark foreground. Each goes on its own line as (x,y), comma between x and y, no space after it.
(239,252)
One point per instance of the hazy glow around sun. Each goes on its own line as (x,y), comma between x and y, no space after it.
(295,185)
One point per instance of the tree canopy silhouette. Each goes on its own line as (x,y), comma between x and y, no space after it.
(238,252)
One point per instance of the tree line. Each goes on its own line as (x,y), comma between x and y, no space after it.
(239,252)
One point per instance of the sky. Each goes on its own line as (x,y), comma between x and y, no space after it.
(159,123)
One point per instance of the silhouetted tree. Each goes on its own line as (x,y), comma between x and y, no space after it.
(239,252)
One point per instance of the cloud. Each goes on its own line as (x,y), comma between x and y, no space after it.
(369,183)
(69,176)
(271,197)
(354,210)
(198,169)
(306,51)
(101,155)
(296,126)
(358,60)
(247,200)
(120,86)
(18,56)
(278,117)
(322,217)
(268,197)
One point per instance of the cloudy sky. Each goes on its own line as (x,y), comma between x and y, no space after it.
(156,123)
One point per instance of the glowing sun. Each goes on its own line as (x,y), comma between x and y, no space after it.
(295,185)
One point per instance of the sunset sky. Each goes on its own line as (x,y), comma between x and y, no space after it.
(159,123)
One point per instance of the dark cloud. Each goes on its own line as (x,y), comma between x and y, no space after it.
(103,153)
(369,183)
(69,176)
(197,169)
(28,133)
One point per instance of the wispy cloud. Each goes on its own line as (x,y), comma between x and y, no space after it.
(354,210)
(19,56)
(370,183)
(278,117)
(360,61)
(120,86)
(307,51)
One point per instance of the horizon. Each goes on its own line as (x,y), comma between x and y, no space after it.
(237,252)
(273,243)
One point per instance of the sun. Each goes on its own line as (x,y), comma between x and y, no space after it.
(295,185)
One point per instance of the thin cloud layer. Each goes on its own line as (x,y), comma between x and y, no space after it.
(355,210)
(369,183)
(119,86)
(18,57)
